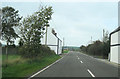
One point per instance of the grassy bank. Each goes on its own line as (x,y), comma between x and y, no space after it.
(20,67)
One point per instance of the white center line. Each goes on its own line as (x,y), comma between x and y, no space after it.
(90,73)
(81,61)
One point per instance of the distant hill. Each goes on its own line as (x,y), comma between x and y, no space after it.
(72,48)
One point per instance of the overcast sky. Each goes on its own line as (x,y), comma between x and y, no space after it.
(76,21)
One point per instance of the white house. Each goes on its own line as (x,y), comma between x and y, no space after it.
(115,46)
(52,40)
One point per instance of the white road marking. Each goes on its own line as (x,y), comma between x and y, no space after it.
(78,57)
(90,73)
(44,69)
(81,61)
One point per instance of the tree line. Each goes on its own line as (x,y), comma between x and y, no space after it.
(98,48)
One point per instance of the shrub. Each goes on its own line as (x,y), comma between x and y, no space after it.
(31,51)
(98,48)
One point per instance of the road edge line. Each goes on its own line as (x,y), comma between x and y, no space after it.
(81,61)
(91,73)
(44,68)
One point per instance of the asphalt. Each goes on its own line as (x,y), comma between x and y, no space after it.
(76,64)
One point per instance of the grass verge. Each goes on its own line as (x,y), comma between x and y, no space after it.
(65,51)
(95,56)
(19,67)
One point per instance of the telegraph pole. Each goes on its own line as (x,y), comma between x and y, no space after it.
(63,42)
(46,36)
(103,35)
(91,39)
(63,45)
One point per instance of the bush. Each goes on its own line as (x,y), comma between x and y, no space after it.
(83,48)
(95,48)
(31,51)
(45,50)
(98,48)
(106,49)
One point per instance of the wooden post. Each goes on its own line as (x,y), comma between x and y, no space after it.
(7,54)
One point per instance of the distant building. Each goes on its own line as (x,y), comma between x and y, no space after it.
(53,41)
(115,46)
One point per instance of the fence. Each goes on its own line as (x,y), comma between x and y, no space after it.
(10,50)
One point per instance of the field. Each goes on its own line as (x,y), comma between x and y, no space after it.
(21,67)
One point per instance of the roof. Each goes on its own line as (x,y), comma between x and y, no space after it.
(116,30)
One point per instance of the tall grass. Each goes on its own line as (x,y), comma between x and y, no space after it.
(20,67)
(12,59)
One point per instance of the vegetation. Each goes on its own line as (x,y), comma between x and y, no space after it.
(23,67)
(98,48)
(32,30)
(10,20)
(65,51)
(31,55)
(0,44)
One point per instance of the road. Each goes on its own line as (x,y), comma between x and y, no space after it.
(76,64)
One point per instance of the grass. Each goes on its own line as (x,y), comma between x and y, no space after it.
(25,67)
(65,51)
(12,59)
(0,59)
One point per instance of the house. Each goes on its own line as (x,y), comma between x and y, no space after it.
(115,46)
(52,40)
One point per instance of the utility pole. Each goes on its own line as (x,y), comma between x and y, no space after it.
(63,42)
(91,39)
(103,35)
(63,45)
(103,40)
(46,36)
